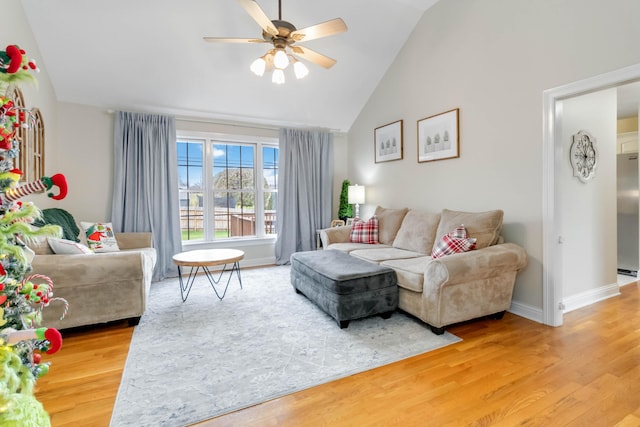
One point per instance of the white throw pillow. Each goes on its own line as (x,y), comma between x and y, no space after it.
(67,247)
(100,236)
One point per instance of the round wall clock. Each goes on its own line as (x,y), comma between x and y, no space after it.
(583,156)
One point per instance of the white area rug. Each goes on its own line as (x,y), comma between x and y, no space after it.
(202,358)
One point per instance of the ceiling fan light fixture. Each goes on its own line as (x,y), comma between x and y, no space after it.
(281,60)
(258,66)
(282,35)
(278,76)
(299,69)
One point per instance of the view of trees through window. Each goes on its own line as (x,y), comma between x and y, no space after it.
(219,184)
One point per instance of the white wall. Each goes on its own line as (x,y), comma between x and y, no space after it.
(589,210)
(492,59)
(85,156)
(16,30)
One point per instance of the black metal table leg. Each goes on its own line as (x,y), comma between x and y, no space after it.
(214,281)
(185,288)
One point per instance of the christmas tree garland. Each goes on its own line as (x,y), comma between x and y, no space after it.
(22,296)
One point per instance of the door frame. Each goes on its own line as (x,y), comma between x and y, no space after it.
(552,162)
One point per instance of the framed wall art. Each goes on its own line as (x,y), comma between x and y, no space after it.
(439,137)
(388,142)
(583,156)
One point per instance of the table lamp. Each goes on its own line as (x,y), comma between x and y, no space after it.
(355,196)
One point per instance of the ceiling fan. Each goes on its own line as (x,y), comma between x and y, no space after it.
(283,36)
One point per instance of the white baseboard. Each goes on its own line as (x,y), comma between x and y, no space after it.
(589,297)
(526,311)
(251,262)
(258,262)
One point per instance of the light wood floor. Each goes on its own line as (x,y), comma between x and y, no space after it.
(504,373)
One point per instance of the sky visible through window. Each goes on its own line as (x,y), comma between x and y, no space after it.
(224,156)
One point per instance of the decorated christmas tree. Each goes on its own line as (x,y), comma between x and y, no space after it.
(23,295)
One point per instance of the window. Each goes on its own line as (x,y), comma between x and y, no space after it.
(228,187)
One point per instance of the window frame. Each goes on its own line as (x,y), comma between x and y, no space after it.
(209,139)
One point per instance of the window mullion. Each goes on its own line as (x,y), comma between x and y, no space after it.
(258,190)
(207,191)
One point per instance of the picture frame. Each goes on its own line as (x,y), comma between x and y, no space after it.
(337,223)
(388,142)
(439,136)
(349,221)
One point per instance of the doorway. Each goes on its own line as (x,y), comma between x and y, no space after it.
(553,167)
(628,184)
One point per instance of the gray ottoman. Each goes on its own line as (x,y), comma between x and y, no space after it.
(343,286)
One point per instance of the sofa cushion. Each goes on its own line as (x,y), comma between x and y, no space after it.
(40,246)
(100,236)
(364,232)
(410,271)
(378,255)
(485,227)
(455,242)
(68,247)
(417,232)
(349,247)
(389,221)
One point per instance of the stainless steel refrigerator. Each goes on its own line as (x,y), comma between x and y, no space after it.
(628,192)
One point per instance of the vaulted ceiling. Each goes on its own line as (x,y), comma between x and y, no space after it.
(149,55)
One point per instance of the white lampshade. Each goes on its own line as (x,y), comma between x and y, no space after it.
(278,76)
(355,194)
(281,60)
(300,69)
(258,66)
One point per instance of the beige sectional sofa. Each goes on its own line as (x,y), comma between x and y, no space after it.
(446,290)
(100,287)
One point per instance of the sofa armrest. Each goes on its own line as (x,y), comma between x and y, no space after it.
(474,265)
(465,286)
(335,235)
(134,240)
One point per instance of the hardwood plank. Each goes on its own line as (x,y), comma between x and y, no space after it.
(83,380)
(507,372)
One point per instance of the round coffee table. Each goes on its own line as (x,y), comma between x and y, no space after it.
(203,259)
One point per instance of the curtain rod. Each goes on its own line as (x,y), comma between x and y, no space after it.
(240,124)
(252,126)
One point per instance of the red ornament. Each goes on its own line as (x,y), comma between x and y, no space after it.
(55,340)
(15,53)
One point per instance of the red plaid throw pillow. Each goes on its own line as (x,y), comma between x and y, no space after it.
(454,242)
(364,232)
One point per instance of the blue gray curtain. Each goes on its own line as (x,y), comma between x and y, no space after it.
(145,186)
(305,184)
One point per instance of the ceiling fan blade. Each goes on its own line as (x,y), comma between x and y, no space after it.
(312,56)
(232,40)
(324,29)
(258,15)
